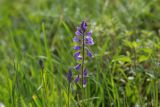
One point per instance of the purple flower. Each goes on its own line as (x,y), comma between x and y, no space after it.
(89,53)
(78,32)
(89,40)
(77,67)
(76,39)
(69,76)
(77,79)
(83,26)
(77,56)
(89,33)
(85,73)
(84,82)
(77,47)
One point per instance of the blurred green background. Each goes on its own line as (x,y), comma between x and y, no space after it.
(125,70)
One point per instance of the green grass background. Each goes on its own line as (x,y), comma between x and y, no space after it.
(125,70)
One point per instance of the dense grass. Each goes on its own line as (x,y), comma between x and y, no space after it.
(125,70)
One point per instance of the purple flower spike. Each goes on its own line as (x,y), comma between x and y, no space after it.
(84,39)
(83,26)
(89,53)
(77,67)
(76,39)
(84,83)
(77,79)
(69,76)
(85,73)
(77,47)
(89,33)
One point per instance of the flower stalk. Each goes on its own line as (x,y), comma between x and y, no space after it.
(83,45)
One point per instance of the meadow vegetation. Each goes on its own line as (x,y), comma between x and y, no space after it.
(36,52)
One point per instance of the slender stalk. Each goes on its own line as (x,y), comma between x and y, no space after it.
(68,92)
(135,59)
(42,85)
(82,65)
(135,68)
(45,86)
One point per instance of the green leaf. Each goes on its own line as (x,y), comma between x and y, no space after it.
(127,43)
(143,58)
(122,59)
(134,44)
(147,50)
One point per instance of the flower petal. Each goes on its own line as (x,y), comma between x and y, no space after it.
(77,56)
(77,33)
(84,82)
(85,73)
(79,29)
(89,33)
(83,26)
(77,47)
(76,39)
(77,79)
(89,40)
(69,75)
(77,67)
(89,53)
(90,43)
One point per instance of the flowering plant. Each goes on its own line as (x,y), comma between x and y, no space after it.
(83,38)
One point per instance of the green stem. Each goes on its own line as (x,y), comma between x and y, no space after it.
(45,87)
(68,93)
(135,59)
(82,65)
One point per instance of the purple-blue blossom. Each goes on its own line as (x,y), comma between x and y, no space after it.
(77,56)
(89,33)
(69,76)
(83,26)
(84,82)
(85,73)
(77,67)
(78,32)
(77,47)
(89,40)
(89,53)
(76,39)
(77,79)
